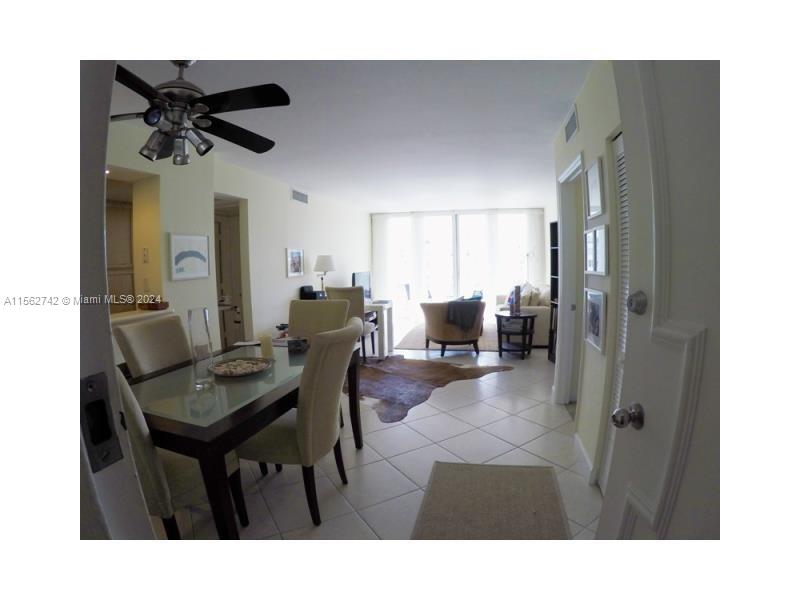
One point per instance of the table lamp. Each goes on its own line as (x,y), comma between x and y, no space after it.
(324,264)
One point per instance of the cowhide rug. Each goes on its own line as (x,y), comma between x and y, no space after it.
(399,384)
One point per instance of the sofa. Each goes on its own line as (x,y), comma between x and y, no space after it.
(536,301)
(441,331)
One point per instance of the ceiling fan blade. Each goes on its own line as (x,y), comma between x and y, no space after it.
(138,85)
(258,96)
(237,135)
(126,117)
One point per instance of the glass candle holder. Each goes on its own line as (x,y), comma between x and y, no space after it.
(202,350)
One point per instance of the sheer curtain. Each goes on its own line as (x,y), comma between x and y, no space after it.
(416,256)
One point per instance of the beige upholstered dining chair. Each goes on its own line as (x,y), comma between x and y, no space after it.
(308,317)
(314,428)
(170,481)
(355,295)
(153,344)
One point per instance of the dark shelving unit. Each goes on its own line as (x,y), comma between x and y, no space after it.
(551,344)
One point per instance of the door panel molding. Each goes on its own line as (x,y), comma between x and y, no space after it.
(688,339)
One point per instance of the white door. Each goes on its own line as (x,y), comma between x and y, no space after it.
(623,259)
(664,478)
(112,505)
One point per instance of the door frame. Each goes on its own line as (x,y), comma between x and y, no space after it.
(112,504)
(566,359)
(236,256)
(641,117)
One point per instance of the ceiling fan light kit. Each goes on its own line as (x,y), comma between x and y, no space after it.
(179,110)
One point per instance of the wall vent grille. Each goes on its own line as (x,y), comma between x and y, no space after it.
(571,128)
(300,196)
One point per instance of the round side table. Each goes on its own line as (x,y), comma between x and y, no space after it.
(518,326)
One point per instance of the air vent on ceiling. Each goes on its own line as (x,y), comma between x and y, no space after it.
(300,196)
(571,128)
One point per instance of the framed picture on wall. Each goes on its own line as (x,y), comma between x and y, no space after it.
(589,251)
(594,189)
(188,256)
(295,261)
(595,321)
(600,252)
(595,245)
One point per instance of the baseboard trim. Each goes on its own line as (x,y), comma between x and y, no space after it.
(584,458)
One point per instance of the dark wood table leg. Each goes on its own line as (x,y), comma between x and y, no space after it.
(355,406)
(523,339)
(215,477)
(530,336)
(500,336)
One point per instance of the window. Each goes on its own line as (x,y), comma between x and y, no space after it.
(438,260)
(420,256)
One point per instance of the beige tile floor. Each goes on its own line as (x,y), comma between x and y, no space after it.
(501,418)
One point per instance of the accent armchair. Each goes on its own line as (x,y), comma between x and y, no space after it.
(439,330)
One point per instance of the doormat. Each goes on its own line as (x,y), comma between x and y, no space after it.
(491,502)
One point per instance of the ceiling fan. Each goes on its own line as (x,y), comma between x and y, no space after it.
(181,113)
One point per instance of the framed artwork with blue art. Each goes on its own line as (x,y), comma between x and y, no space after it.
(188,256)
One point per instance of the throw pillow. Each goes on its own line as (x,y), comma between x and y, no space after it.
(544,298)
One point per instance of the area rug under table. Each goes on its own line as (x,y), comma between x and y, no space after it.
(400,384)
(491,502)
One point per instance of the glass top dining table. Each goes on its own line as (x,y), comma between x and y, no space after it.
(209,422)
(173,395)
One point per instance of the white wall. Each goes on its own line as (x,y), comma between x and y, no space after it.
(186,205)
(598,119)
(275,222)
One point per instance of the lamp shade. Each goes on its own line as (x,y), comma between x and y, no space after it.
(324,264)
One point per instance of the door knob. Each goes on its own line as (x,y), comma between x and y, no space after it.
(637,302)
(633,416)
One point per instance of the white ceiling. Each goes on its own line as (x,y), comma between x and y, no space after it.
(394,135)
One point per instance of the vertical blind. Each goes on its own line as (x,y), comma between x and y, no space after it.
(439,255)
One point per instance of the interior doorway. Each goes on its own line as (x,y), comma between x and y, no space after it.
(119,242)
(570,294)
(133,237)
(227,248)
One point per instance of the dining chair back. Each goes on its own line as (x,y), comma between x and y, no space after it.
(153,344)
(309,317)
(321,389)
(152,477)
(169,481)
(307,435)
(355,295)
